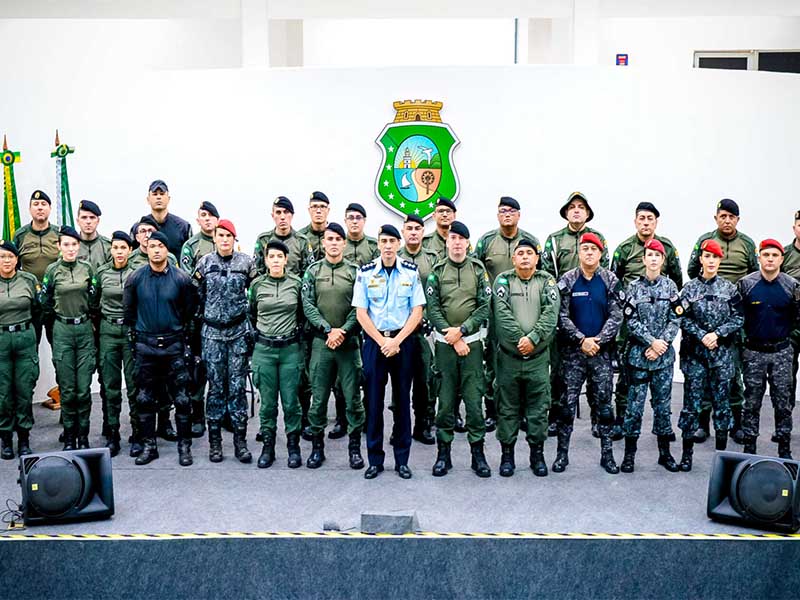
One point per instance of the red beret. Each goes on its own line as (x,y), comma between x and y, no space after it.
(592,238)
(770,243)
(654,244)
(227,226)
(713,247)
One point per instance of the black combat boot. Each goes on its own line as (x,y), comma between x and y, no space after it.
(479,464)
(507,464)
(552,420)
(354,450)
(721,440)
(83,440)
(607,454)
(149,451)
(538,466)
(295,459)
(784,448)
(317,456)
(7,445)
(422,432)
(443,463)
(24,442)
(184,425)
(616,430)
(240,449)
(749,445)
(267,451)
(628,461)
(339,429)
(736,433)
(70,441)
(165,430)
(198,419)
(686,456)
(112,440)
(562,452)
(703,431)
(215,441)
(665,458)
(135,440)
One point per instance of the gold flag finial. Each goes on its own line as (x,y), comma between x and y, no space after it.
(5,144)
(57,142)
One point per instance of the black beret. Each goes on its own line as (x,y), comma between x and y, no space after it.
(209,208)
(158,184)
(509,201)
(40,195)
(319,196)
(90,206)
(356,207)
(728,205)
(122,237)
(649,207)
(68,231)
(336,228)
(389,230)
(576,196)
(528,243)
(9,246)
(157,236)
(459,228)
(414,219)
(149,220)
(797,216)
(283,202)
(278,245)
(442,201)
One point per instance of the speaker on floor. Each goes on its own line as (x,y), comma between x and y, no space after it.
(757,491)
(66,486)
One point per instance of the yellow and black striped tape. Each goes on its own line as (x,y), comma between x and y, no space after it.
(82,537)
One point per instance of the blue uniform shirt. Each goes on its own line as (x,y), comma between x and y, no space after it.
(769,312)
(389,295)
(588,305)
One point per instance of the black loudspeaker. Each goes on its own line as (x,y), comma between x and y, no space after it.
(757,491)
(66,486)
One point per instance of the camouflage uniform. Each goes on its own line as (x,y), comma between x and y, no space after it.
(650,313)
(708,305)
(791,266)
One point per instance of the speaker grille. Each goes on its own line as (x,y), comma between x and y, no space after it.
(765,490)
(54,485)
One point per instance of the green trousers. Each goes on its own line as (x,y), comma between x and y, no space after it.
(464,375)
(116,359)
(277,370)
(74,359)
(19,370)
(324,367)
(522,385)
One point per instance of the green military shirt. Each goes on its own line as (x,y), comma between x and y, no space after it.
(315,240)
(561,251)
(494,250)
(525,308)
(627,263)
(275,304)
(19,298)
(69,289)
(362,251)
(139,258)
(327,294)
(424,259)
(791,260)
(37,249)
(110,287)
(740,257)
(301,253)
(459,295)
(195,248)
(434,241)
(96,252)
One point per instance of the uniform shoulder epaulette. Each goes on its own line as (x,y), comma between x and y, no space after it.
(104,267)
(747,239)
(29,276)
(367,267)
(408,264)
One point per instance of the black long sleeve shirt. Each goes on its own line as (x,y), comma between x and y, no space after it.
(159,302)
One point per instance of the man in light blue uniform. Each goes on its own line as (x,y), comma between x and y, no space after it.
(388,298)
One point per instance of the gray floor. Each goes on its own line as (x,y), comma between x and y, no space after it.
(163,497)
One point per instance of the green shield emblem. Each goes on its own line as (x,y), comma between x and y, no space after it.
(417,159)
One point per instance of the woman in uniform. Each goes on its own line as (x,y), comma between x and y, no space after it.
(276,310)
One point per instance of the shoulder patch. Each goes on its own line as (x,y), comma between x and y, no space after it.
(500,292)
(197,275)
(502,280)
(409,265)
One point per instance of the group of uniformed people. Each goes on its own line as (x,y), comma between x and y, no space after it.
(510,329)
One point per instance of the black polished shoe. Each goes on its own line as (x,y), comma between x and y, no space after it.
(339,431)
(404,471)
(23,442)
(198,430)
(83,442)
(373,471)
(490,424)
(185,453)
(149,452)
(7,445)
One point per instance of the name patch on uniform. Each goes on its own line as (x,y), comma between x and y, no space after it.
(579,294)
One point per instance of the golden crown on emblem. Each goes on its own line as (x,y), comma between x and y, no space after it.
(417,110)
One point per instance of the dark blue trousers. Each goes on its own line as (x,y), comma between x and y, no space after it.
(377,370)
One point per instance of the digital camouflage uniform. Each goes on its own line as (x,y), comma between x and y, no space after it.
(651,312)
(708,305)
(791,266)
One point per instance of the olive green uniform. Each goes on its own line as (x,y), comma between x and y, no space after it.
(791,266)
(96,252)
(37,251)
(524,308)
(436,243)
(276,309)
(195,248)
(315,241)
(116,357)
(459,295)
(301,252)
(69,294)
(327,294)
(19,357)
(362,251)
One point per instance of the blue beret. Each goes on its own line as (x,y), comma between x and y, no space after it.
(209,208)
(90,206)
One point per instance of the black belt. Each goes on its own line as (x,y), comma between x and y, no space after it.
(72,320)
(277,342)
(159,340)
(228,325)
(766,346)
(16,327)
(114,320)
(390,334)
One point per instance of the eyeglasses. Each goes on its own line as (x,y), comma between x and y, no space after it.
(444,211)
(507,211)
(318,206)
(354,218)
